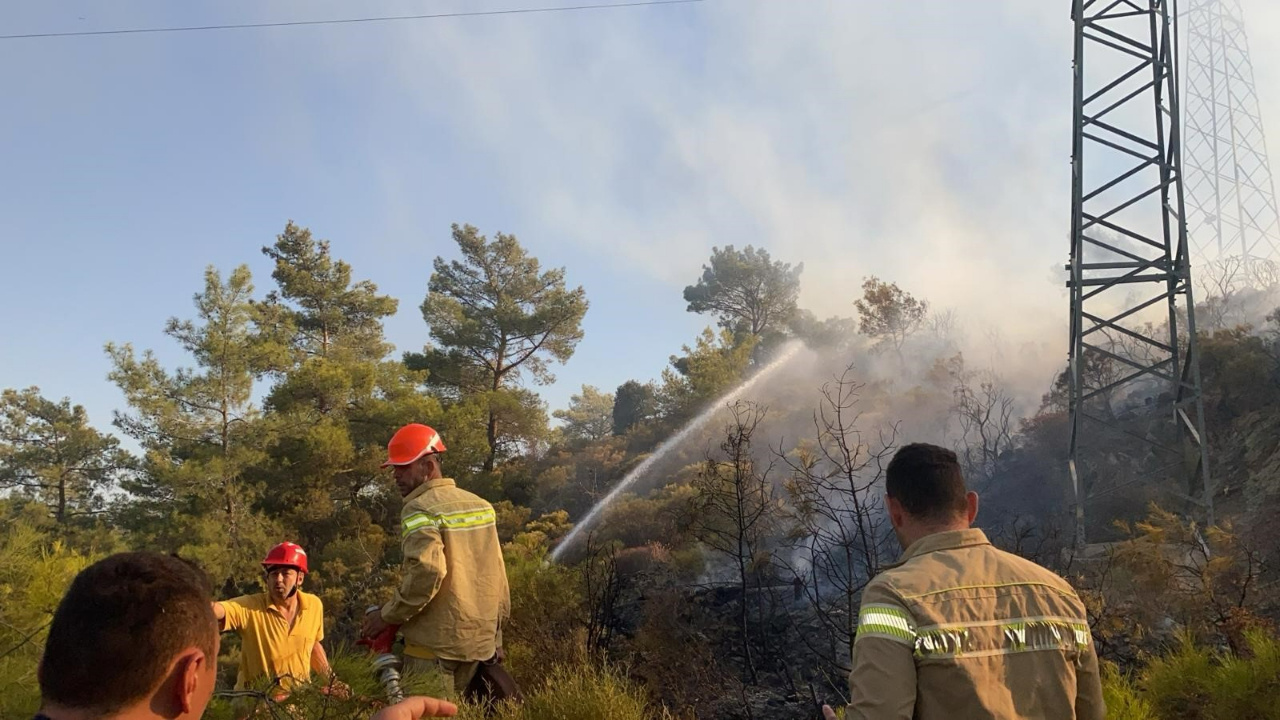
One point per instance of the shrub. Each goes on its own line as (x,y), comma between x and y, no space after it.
(34,572)
(546,626)
(1248,686)
(1196,683)
(1123,700)
(309,701)
(578,692)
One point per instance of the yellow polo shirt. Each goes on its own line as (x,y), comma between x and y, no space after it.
(269,647)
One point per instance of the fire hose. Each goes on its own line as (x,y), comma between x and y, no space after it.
(386,666)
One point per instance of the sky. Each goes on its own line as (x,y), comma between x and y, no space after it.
(926,143)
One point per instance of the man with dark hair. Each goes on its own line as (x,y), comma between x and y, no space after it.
(135,638)
(959,629)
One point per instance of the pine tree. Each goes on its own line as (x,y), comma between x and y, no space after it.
(50,453)
(336,402)
(202,433)
(496,316)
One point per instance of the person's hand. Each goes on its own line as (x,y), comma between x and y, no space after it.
(500,655)
(828,713)
(416,707)
(338,689)
(373,624)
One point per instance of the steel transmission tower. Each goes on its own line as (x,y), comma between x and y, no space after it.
(1136,413)
(1231,201)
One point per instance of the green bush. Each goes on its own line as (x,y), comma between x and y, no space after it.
(577,692)
(1178,684)
(1249,687)
(1193,682)
(547,627)
(309,701)
(1123,700)
(568,692)
(34,572)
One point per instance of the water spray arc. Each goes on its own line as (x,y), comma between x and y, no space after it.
(788,352)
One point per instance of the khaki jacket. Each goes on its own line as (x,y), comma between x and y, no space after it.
(958,630)
(453,596)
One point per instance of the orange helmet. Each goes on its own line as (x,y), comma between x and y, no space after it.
(287,554)
(412,442)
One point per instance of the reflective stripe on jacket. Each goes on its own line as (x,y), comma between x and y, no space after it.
(453,594)
(959,629)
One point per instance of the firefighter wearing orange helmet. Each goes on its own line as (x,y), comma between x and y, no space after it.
(280,629)
(453,596)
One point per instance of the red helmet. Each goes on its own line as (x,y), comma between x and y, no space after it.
(287,554)
(412,442)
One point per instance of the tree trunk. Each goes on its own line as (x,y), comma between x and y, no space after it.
(62,500)
(492,434)
(743,621)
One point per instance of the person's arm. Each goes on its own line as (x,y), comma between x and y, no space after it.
(231,614)
(413,708)
(320,661)
(320,664)
(882,683)
(423,571)
(1089,702)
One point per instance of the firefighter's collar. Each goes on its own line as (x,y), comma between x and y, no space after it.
(950,540)
(430,485)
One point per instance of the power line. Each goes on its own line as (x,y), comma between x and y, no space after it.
(347,21)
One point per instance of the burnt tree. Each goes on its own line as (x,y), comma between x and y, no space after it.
(733,514)
(841,534)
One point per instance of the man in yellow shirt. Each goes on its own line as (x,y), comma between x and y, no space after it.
(281,629)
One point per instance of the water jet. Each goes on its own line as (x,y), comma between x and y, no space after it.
(788,352)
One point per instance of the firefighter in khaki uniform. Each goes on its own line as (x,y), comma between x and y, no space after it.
(453,596)
(958,629)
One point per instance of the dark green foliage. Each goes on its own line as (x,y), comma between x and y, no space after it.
(496,317)
(50,453)
(746,289)
(633,404)
(588,417)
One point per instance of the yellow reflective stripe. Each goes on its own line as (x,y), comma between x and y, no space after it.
(468,519)
(418,521)
(1029,634)
(1082,634)
(949,642)
(886,621)
(463,520)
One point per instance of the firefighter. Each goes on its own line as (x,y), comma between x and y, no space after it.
(280,629)
(958,628)
(453,595)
